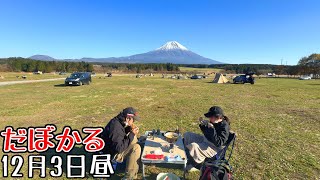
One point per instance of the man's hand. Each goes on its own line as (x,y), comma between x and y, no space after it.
(135,131)
(133,126)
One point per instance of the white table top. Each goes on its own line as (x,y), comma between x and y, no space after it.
(159,142)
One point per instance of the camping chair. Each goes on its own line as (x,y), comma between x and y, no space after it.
(222,153)
(219,158)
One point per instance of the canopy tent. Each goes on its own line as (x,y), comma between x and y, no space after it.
(219,78)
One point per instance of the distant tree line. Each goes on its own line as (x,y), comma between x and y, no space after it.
(30,65)
(140,68)
(306,66)
(238,68)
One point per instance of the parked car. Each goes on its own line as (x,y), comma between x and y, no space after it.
(271,74)
(37,72)
(304,78)
(62,73)
(241,79)
(78,78)
(196,77)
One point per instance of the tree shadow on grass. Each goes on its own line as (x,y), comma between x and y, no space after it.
(59,85)
(76,161)
(210,82)
(151,170)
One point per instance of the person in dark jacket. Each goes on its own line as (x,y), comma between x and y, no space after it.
(121,142)
(215,135)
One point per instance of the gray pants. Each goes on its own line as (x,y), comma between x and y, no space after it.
(199,147)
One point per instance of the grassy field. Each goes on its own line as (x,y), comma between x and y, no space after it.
(12,76)
(277,120)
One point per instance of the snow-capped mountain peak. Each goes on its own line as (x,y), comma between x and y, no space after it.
(172,45)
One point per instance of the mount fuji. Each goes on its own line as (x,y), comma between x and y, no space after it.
(170,52)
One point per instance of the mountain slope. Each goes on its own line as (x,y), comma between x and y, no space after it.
(42,57)
(171,52)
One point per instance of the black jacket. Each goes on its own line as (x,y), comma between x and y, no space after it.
(217,135)
(117,138)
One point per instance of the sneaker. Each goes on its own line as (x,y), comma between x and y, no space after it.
(190,168)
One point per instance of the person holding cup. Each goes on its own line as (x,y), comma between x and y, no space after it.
(120,137)
(215,135)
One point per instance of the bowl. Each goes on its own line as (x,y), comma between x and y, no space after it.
(167,176)
(171,137)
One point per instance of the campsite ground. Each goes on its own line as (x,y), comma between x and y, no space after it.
(277,120)
(17,76)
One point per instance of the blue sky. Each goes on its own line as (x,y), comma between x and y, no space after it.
(239,31)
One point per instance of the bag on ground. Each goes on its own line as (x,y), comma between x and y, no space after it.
(216,170)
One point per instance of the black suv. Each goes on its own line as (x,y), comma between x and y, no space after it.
(78,78)
(247,78)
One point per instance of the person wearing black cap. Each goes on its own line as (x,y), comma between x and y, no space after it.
(121,142)
(215,135)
